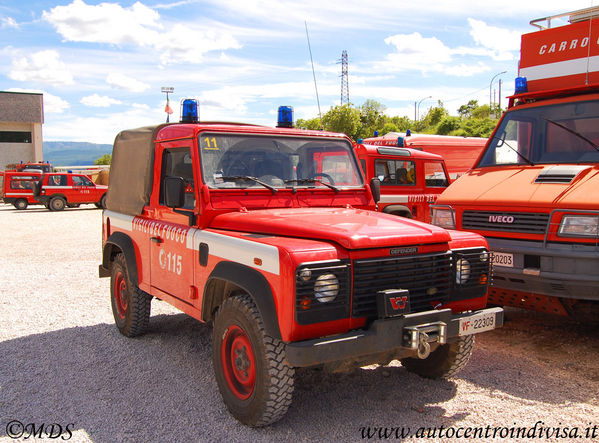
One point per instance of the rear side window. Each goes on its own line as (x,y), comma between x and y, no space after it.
(57,180)
(434,175)
(81,181)
(23,182)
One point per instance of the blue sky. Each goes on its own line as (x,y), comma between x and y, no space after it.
(101,65)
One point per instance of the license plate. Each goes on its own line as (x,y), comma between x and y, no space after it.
(473,324)
(503,259)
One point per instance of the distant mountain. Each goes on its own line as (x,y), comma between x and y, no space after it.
(74,153)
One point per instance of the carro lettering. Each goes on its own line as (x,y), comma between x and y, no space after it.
(270,235)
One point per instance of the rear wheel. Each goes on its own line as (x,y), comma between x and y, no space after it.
(20,204)
(130,305)
(445,361)
(253,377)
(57,204)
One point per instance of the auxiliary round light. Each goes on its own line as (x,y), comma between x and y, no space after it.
(305,274)
(462,273)
(326,288)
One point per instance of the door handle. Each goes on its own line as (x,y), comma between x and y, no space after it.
(156,240)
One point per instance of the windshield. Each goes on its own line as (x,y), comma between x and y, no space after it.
(563,133)
(255,161)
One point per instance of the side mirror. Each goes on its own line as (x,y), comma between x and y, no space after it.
(174,192)
(375,187)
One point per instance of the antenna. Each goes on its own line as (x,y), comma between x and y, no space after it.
(314,75)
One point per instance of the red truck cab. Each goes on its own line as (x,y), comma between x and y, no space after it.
(532,192)
(57,190)
(411,180)
(269,234)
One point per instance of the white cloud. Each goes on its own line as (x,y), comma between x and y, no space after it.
(52,103)
(104,23)
(121,81)
(8,22)
(502,42)
(99,101)
(137,25)
(415,52)
(43,67)
(463,70)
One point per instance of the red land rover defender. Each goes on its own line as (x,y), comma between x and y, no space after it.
(256,230)
(410,179)
(57,190)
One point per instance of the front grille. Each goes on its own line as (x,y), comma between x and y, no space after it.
(527,223)
(428,278)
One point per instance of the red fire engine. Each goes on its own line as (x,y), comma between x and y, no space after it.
(267,233)
(410,179)
(533,190)
(459,153)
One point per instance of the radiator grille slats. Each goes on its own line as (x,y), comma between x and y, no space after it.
(529,223)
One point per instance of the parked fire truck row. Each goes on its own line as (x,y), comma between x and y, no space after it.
(533,191)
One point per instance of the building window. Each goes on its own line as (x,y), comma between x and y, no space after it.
(15,137)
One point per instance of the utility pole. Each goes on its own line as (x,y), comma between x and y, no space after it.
(344,79)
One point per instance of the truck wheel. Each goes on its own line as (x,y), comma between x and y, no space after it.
(130,305)
(445,361)
(20,204)
(253,378)
(57,204)
(103,202)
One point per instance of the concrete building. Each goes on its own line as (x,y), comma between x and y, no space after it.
(21,119)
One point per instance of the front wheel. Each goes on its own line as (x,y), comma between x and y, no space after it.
(252,375)
(130,305)
(445,361)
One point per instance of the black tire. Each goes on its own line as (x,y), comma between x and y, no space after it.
(103,202)
(130,305)
(256,385)
(57,204)
(20,204)
(445,361)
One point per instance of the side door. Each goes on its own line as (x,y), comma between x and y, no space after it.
(171,243)
(82,189)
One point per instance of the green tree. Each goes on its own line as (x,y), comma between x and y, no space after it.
(448,124)
(313,123)
(344,119)
(372,118)
(104,160)
(465,111)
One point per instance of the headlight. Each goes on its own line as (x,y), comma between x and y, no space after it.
(462,272)
(326,288)
(443,217)
(579,226)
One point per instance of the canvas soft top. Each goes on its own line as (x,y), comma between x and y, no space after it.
(132,170)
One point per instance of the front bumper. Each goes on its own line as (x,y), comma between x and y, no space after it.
(389,335)
(556,269)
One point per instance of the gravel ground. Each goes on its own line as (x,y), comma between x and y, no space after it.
(64,362)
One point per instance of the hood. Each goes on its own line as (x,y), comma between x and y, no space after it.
(524,187)
(351,228)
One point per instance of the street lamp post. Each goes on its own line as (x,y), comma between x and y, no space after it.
(418,107)
(490,85)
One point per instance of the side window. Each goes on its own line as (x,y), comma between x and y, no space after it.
(81,181)
(23,183)
(395,172)
(363,164)
(177,162)
(57,180)
(434,175)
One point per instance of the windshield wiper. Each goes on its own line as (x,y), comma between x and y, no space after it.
(247,177)
(576,133)
(515,150)
(301,181)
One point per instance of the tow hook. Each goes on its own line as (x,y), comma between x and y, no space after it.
(419,337)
